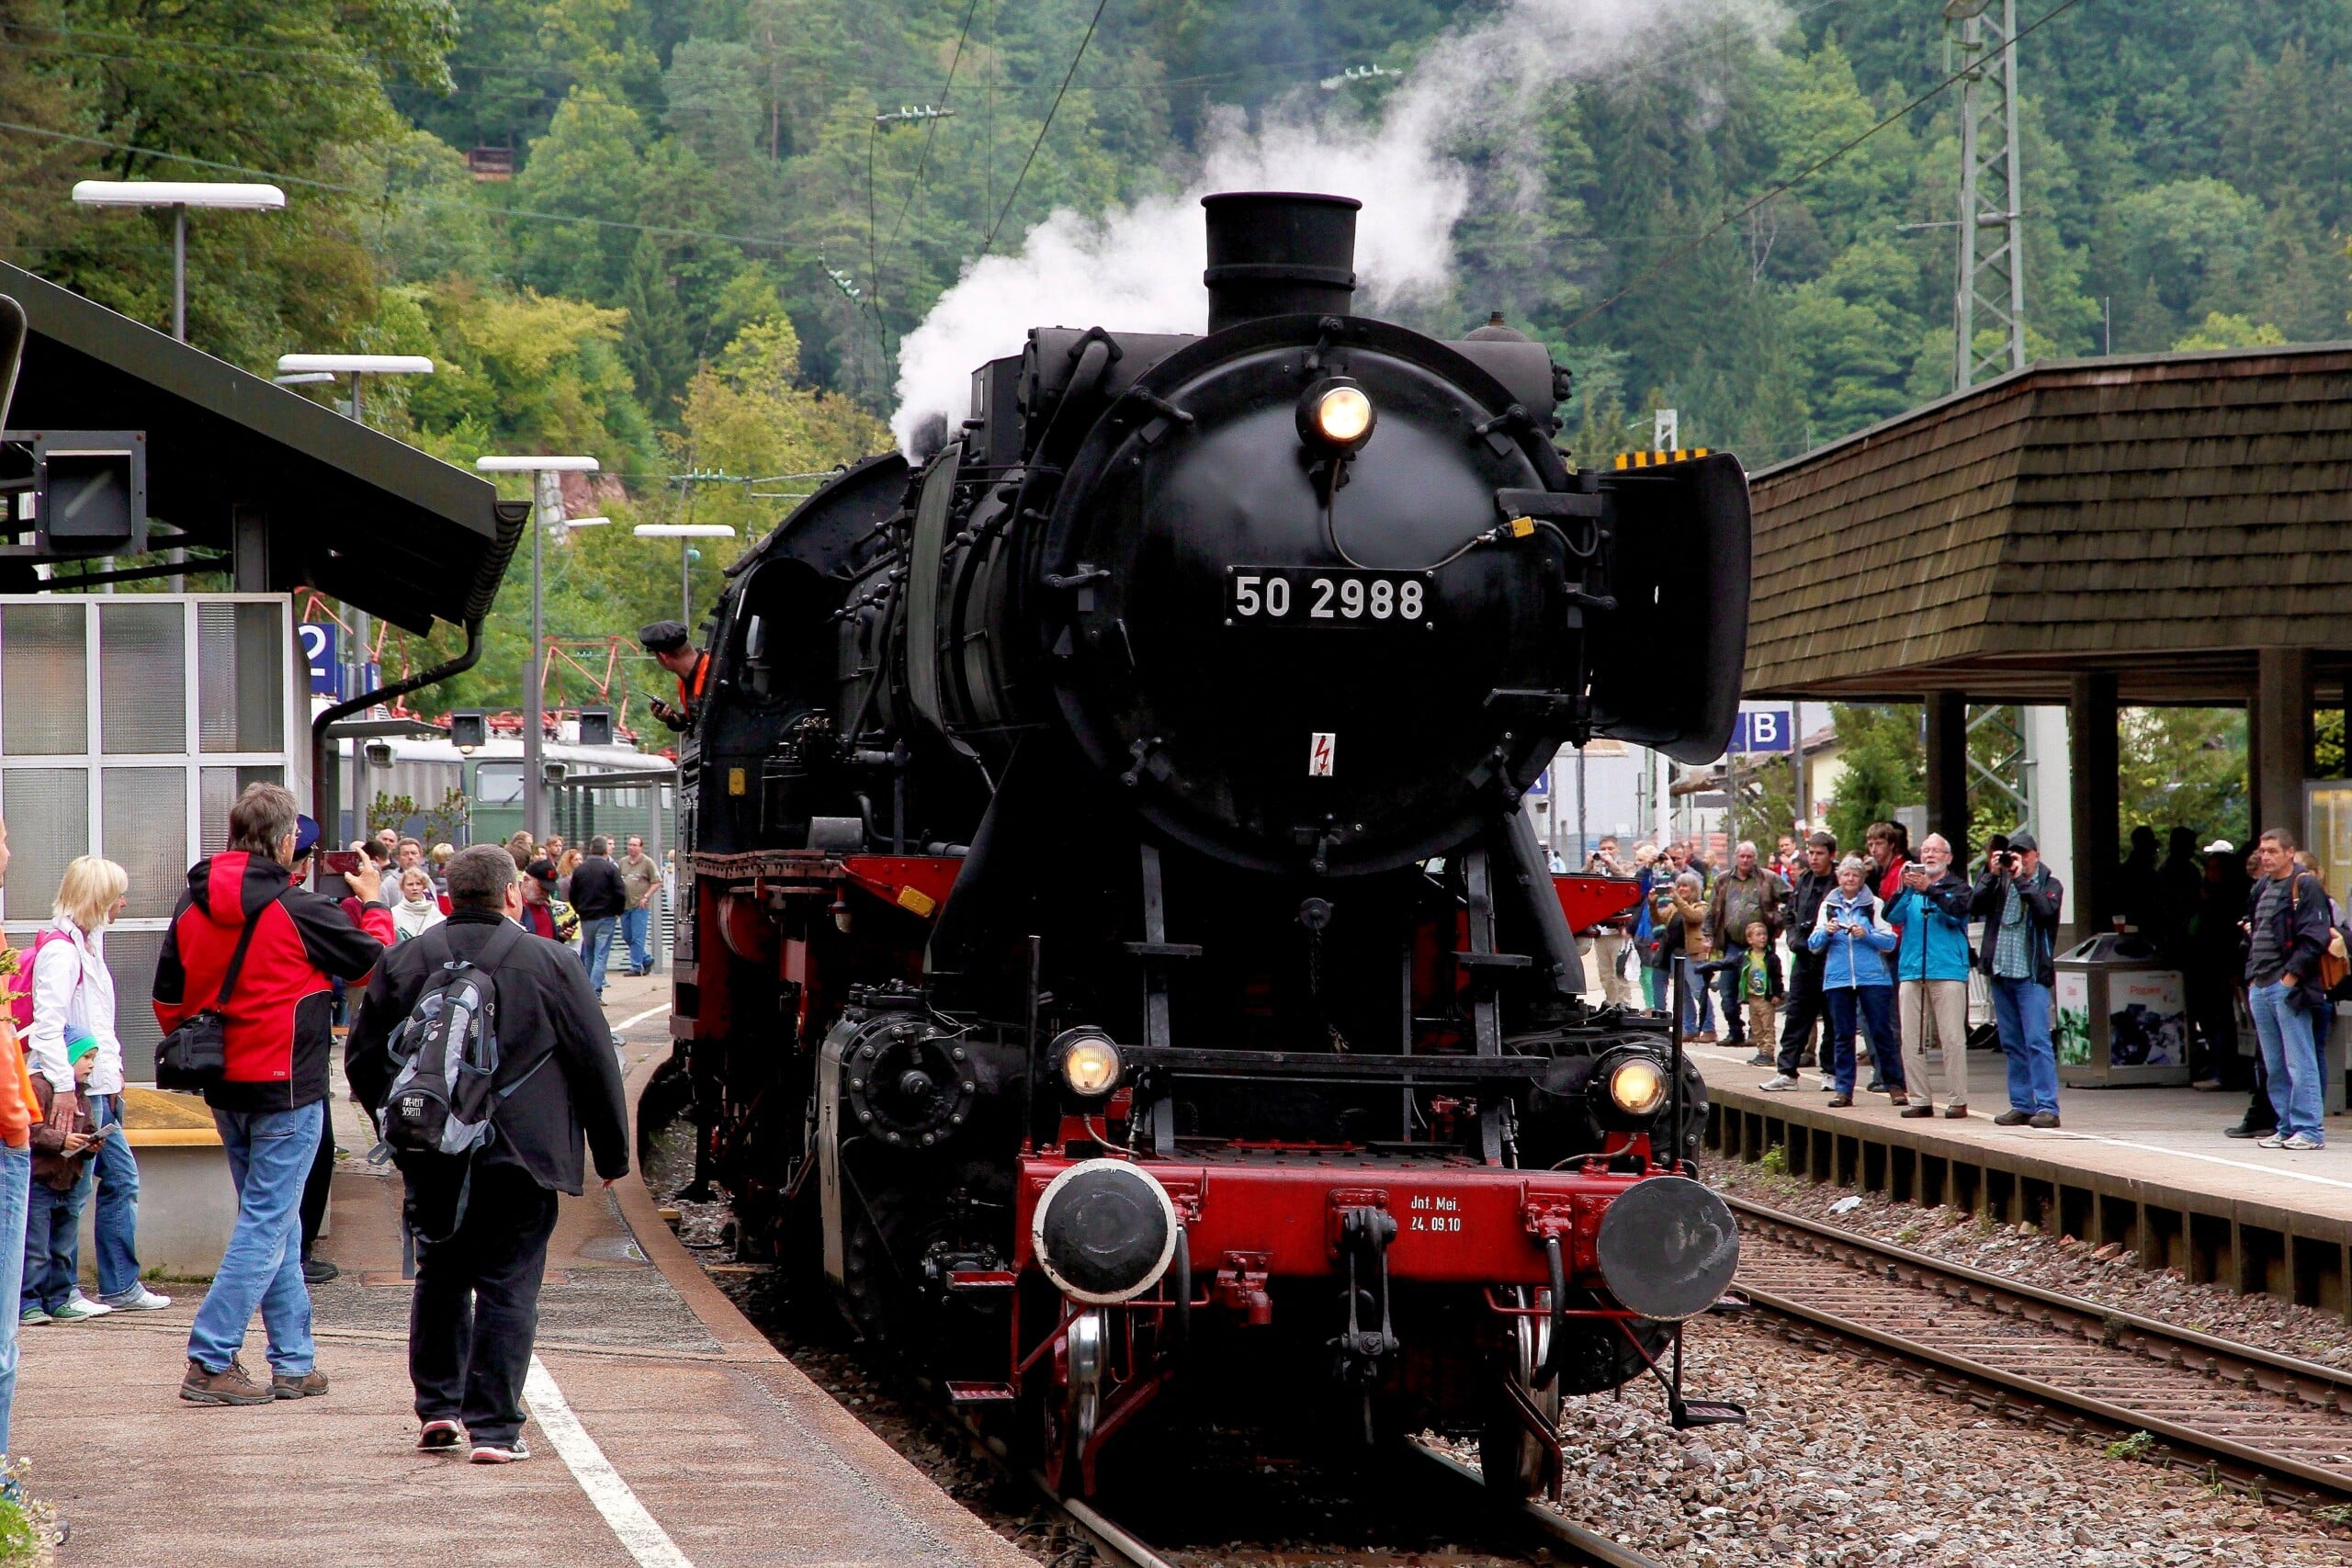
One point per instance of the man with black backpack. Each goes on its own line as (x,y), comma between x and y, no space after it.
(482,1054)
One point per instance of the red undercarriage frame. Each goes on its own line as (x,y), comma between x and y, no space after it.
(1254,1214)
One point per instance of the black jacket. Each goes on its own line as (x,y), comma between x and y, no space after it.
(2301,928)
(596,890)
(1802,912)
(2043,898)
(544,1007)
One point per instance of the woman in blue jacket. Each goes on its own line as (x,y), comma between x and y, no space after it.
(1853,938)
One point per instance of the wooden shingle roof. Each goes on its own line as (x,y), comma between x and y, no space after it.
(2160,517)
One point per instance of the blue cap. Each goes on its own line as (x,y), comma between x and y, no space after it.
(306,836)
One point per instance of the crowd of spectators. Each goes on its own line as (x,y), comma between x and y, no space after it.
(1881,949)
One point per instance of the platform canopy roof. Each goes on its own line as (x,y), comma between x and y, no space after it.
(330,502)
(2158,517)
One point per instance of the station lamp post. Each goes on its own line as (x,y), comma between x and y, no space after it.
(547,491)
(293,368)
(681,532)
(179,196)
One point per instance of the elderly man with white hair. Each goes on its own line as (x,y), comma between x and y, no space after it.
(1930,909)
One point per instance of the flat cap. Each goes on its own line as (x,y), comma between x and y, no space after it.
(663,637)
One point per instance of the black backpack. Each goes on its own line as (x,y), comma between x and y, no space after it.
(438,1114)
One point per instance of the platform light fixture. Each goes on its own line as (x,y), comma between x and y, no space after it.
(327,367)
(687,554)
(217,196)
(548,491)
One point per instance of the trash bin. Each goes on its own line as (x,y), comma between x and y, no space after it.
(2120,1017)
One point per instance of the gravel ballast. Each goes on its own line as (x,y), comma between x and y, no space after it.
(1845,1462)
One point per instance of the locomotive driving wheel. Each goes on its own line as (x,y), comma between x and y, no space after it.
(1517,1462)
(1072,1401)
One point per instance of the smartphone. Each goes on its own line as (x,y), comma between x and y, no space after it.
(340,863)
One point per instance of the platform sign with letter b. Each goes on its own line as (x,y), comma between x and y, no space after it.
(1765,729)
(319,651)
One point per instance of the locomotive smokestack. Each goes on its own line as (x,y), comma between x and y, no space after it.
(1274,253)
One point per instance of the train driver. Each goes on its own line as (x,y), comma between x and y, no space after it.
(667,641)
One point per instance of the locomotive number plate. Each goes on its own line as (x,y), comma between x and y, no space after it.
(1325,596)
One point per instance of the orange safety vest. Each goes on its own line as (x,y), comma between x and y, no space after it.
(688,695)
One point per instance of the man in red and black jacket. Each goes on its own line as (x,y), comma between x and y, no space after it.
(270,1104)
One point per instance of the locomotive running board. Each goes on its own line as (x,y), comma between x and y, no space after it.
(1192,1060)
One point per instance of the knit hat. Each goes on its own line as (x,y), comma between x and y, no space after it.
(79,1045)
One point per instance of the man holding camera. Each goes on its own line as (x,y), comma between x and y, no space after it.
(1607,943)
(1803,1006)
(2020,901)
(1930,911)
(1749,894)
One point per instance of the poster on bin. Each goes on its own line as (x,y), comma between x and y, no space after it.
(2147,1018)
(2070,1023)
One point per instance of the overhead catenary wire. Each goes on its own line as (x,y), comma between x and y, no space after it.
(931,131)
(1014,194)
(1682,253)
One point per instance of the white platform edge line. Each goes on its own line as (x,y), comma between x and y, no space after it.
(2209,1159)
(634,1018)
(2062,1135)
(639,1532)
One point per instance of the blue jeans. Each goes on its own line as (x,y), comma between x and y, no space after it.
(117,1227)
(52,1251)
(1727,992)
(16,1187)
(596,947)
(2021,1010)
(1873,1007)
(636,925)
(1698,1006)
(269,1157)
(2291,1059)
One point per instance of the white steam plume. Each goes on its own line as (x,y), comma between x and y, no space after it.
(1138,268)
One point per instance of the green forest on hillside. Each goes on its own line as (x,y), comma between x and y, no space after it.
(709,249)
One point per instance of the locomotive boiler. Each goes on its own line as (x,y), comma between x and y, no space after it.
(1116,954)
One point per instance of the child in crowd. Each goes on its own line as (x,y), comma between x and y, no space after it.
(61,1184)
(1759,984)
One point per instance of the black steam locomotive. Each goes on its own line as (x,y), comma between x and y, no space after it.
(1118,956)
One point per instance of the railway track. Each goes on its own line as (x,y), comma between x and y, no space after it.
(1567,1541)
(2257,1416)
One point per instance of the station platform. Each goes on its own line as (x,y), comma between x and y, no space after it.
(2147,1167)
(665,1431)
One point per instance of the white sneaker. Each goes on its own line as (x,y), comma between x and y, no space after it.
(2275,1141)
(140,1300)
(1779,1085)
(2301,1141)
(89,1308)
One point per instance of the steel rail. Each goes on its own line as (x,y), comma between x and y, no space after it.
(1586,1546)
(1110,1541)
(1107,1537)
(2292,1366)
(2207,1365)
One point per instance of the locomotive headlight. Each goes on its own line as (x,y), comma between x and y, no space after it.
(1637,1086)
(1336,413)
(1090,1063)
